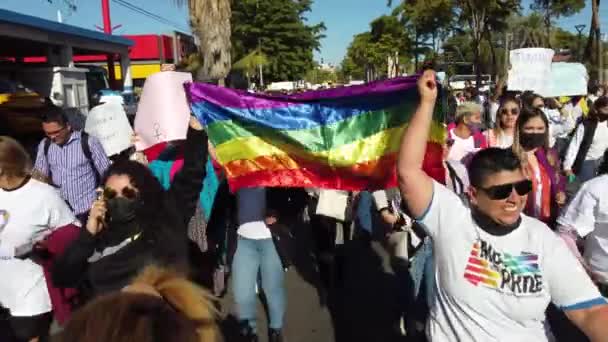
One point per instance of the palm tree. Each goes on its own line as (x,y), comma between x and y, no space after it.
(210,22)
(594,33)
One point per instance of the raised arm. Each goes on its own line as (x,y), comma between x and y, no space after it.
(415,186)
(188,182)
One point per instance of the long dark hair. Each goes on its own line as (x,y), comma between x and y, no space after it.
(601,102)
(526,115)
(155,216)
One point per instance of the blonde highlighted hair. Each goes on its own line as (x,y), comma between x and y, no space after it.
(159,305)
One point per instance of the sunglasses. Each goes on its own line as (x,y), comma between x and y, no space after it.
(129,193)
(501,192)
(514,111)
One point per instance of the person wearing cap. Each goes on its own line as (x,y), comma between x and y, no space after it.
(465,134)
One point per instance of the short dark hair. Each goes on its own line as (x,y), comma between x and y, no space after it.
(527,98)
(55,114)
(490,161)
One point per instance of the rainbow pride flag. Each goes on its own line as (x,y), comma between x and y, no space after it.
(344,138)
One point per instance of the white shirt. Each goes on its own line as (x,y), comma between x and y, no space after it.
(493,111)
(599,144)
(497,288)
(587,214)
(560,126)
(461,147)
(27,215)
(251,207)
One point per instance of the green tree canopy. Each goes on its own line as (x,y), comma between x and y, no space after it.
(278,30)
(369,51)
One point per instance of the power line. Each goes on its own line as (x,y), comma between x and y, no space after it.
(149,14)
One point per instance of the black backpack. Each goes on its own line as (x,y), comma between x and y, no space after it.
(86,149)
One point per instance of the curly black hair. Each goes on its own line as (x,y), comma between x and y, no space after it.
(156,216)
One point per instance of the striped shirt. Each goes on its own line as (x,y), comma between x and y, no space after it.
(71,170)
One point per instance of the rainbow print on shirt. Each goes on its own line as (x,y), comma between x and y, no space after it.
(515,274)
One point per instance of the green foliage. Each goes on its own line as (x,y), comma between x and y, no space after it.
(320,76)
(558,8)
(278,29)
(369,51)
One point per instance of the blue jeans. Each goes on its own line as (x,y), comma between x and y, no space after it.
(255,257)
(423,267)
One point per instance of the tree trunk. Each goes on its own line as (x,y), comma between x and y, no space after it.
(594,33)
(476,63)
(210,22)
(493,53)
(548,22)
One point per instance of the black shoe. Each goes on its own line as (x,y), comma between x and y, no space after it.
(274,335)
(246,333)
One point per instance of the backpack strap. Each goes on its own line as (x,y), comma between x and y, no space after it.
(86,150)
(46,146)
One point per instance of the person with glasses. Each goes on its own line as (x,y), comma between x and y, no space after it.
(502,135)
(71,160)
(541,165)
(497,269)
(135,222)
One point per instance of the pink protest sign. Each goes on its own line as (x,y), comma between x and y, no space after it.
(163,111)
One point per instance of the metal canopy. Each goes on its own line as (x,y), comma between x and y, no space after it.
(23,35)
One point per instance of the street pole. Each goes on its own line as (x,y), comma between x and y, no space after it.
(580,29)
(107,29)
(600,58)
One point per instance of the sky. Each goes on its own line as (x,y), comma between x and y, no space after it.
(343,18)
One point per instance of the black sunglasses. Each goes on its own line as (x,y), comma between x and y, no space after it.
(514,111)
(129,193)
(500,192)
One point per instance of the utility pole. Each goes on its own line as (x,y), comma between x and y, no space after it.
(580,28)
(107,29)
(600,58)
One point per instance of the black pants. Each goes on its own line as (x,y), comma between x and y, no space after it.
(27,328)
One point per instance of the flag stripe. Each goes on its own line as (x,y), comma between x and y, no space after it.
(358,127)
(397,88)
(378,168)
(298,116)
(359,151)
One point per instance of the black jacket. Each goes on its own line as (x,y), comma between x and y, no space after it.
(115,271)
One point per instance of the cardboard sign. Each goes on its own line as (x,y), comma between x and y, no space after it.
(163,111)
(108,122)
(567,79)
(530,69)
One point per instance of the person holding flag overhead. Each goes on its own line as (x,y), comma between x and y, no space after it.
(497,270)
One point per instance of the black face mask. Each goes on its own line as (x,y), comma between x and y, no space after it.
(121,220)
(121,210)
(532,140)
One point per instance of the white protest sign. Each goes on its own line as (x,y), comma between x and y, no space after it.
(530,69)
(108,122)
(567,79)
(163,112)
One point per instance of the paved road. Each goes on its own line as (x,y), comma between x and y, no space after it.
(362,306)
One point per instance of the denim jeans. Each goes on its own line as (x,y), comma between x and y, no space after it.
(255,257)
(423,267)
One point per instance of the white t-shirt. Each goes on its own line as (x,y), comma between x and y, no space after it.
(587,213)
(251,207)
(599,144)
(497,288)
(461,147)
(27,215)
